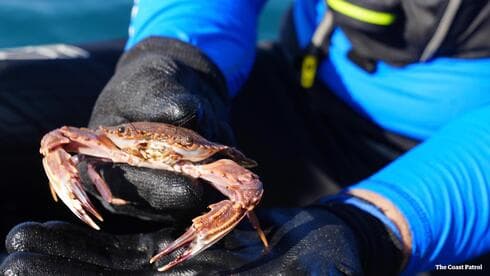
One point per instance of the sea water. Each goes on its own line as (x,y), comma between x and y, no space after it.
(35,22)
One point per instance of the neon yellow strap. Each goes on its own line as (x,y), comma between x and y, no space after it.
(360,13)
(308,71)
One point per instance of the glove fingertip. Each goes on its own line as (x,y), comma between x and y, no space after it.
(18,237)
(18,263)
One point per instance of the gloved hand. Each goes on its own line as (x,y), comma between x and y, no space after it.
(306,241)
(161,80)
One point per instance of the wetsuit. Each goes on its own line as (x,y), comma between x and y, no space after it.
(442,99)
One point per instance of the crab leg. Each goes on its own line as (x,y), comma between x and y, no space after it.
(63,174)
(102,186)
(205,231)
(244,190)
(256,225)
(99,183)
(64,180)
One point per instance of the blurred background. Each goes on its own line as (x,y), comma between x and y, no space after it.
(34,22)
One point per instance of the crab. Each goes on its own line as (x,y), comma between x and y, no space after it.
(157,146)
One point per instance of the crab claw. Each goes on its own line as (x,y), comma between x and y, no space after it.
(64,181)
(205,231)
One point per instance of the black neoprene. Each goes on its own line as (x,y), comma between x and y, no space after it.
(380,250)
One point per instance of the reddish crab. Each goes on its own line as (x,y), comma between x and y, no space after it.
(157,146)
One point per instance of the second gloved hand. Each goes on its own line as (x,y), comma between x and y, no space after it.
(336,239)
(161,80)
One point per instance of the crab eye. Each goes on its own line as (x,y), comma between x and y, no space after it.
(121,129)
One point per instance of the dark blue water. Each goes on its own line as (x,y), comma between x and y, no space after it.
(24,22)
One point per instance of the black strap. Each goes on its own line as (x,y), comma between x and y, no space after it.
(381,251)
(316,51)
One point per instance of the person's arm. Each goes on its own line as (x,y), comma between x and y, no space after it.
(442,189)
(224,30)
(178,60)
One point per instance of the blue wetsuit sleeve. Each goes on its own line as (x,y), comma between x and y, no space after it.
(443,189)
(224,30)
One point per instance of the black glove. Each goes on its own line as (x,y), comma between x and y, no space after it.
(161,80)
(306,241)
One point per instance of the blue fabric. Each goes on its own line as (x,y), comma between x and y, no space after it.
(442,187)
(224,30)
(416,100)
